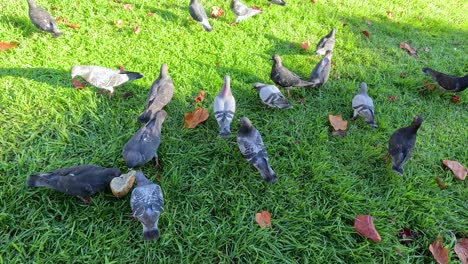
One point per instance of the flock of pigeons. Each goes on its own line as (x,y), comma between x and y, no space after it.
(146,198)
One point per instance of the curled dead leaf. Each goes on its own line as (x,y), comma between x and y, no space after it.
(136,29)
(458,170)
(364,225)
(461,249)
(407,236)
(408,48)
(305,45)
(440,182)
(439,252)
(127,7)
(257,8)
(366,33)
(74,26)
(196,117)
(7,46)
(77,84)
(338,124)
(150,14)
(392,99)
(120,186)
(200,97)
(389,14)
(455,99)
(263,219)
(216,12)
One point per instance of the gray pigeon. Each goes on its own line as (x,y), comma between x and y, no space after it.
(286,78)
(242,11)
(326,43)
(147,204)
(224,108)
(401,144)
(277,2)
(198,13)
(42,19)
(160,95)
(252,148)
(364,106)
(143,146)
(321,71)
(451,83)
(80,181)
(271,96)
(104,78)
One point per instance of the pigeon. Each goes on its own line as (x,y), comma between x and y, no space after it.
(80,181)
(321,71)
(271,96)
(104,78)
(242,11)
(326,43)
(160,94)
(143,146)
(401,144)
(147,204)
(252,148)
(42,19)
(277,2)
(286,78)
(450,83)
(198,13)
(224,108)
(364,106)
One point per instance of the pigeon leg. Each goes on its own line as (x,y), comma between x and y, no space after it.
(355,115)
(156,162)
(289,93)
(84,200)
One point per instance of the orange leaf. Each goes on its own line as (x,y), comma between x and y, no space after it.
(78,85)
(364,225)
(150,14)
(305,45)
(408,48)
(390,14)
(455,99)
(458,170)
(7,46)
(217,12)
(75,26)
(136,29)
(256,7)
(440,183)
(439,252)
(61,19)
(338,123)
(196,117)
(67,23)
(119,23)
(263,219)
(366,33)
(461,248)
(121,67)
(200,97)
(127,7)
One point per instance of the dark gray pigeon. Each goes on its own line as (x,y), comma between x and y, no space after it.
(364,106)
(326,43)
(242,11)
(198,13)
(447,82)
(321,71)
(271,96)
(80,181)
(42,19)
(252,148)
(147,204)
(286,78)
(277,2)
(401,144)
(143,146)
(224,108)
(104,78)
(160,95)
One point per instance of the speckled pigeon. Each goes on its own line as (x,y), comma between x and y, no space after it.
(198,13)
(326,43)
(278,2)
(224,108)
(447,82)
(104,78)
(271,96)
(286,78)
(42,19)
(252,148)
(147,204)
(401,144)
(364,106)
(143,146)
(80,181)
(321,71)
(242,11)
(160,95)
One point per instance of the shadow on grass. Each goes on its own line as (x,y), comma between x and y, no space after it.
(21,23)
(164,14)
(53,77)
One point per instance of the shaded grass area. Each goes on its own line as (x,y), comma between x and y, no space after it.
(211,193)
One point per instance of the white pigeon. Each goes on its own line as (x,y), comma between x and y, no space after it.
(271,96)
(224,108)
(242,11)
(364,106)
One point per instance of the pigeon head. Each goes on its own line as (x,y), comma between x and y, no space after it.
(246,125)
(417,121)
(31,3)
(163,73)
(111,173)
(258,85)
(427,71)
(276,59)
(332,32)
(78,71)
(363,88)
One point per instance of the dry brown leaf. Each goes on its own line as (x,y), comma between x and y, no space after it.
(313,1)
(119,23)
(263,219)
(440,182)
(257,8)
(136,29)
(55,8)
(77,84)
(458,170)
(461,249)
(200,97)
(305,45)
(366,33)
(364,225)
(150,14)
(390,14)
(121,67)
(407,236)
(67,23)
(392,99)
(127,7)
(196,117)
(337,122)
(217,12)
(75,26)
(120,186)
(439,252)
(408,48)
(455,99)
(7,46)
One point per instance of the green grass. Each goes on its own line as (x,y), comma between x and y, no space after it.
(211,193)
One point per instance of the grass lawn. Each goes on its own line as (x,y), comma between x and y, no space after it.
(211,193)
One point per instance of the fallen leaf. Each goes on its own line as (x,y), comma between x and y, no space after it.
(61,19)
(119,23)
(78,3)
(75,26)
(216,12)
(461,249)
(7,46)
(158,177)
(200,97)
(458,170)
(77,84)
(390,14)
(305,45)
(196,117)
(313,1)
(127,7)
(408,48)
(67,23)
(428,87)
(121,67)
(407,236)
(391,99)
(257,8)
(366,33)
(263,219)
(150,14)
(455,99)
(121,185)
(55,8)
(136,29)
(439,252)
(440,183)
(364,225)
(338,123)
